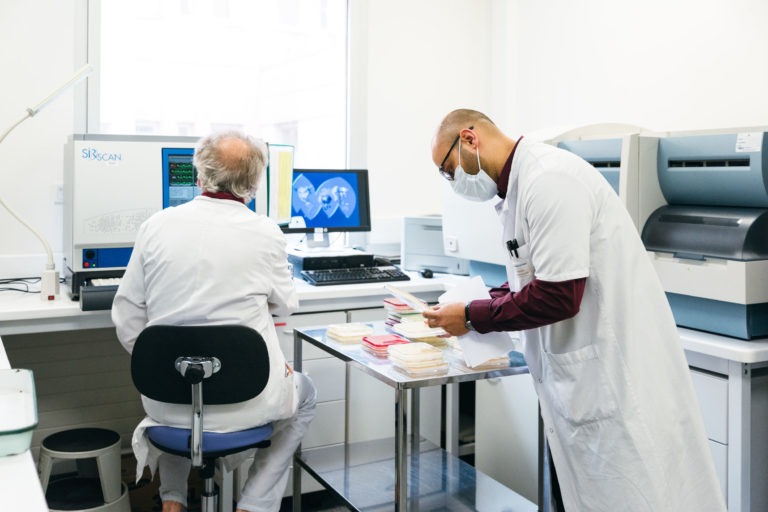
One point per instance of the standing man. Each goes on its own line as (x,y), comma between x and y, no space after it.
(213,261)
(618,405)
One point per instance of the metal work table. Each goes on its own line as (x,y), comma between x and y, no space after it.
(397,474)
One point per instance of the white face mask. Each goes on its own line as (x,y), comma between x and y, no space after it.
(475,187)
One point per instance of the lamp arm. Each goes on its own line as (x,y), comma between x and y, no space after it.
(49,286)
(49,265)
(26,116)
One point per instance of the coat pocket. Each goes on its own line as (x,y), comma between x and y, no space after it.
(578,386)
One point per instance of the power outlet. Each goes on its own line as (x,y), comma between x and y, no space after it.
(58,197)
(452,243)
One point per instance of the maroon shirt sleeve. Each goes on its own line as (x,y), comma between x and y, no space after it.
(539,303)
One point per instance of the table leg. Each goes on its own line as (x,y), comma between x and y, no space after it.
(739,435)
(401,450)
(545,479)
(297,345)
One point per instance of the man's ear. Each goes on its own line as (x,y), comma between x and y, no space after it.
(468,136)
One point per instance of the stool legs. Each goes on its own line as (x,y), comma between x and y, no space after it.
(109,464)
(44,465)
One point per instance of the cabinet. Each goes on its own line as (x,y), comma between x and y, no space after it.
(712,392)
(506,432)
(730,378)
(328,375)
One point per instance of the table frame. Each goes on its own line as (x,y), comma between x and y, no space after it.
(401,385)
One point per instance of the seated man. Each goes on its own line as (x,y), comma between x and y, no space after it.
(213,261)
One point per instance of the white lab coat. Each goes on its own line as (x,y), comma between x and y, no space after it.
(618,404)
(208,262)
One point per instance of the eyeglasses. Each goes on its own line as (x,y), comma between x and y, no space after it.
(445,174)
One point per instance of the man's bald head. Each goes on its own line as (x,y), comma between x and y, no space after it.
(230,162)
(456,121)
(473,131)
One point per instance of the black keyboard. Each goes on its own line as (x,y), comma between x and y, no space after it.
(353,275)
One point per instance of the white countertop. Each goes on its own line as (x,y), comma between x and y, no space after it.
(724,347)
(19,484)
(22,313)
(25,313)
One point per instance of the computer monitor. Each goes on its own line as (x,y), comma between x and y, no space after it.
(328,200)
(180,177)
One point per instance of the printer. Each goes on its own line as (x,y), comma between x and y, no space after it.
(709,243)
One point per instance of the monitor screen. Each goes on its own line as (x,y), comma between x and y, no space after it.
(328,200)
(180,177)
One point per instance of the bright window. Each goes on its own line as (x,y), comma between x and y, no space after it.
(273,68)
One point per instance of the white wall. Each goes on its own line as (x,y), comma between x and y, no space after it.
(424,58)
(530,65)
(687,64)
(39,53)
(406,60)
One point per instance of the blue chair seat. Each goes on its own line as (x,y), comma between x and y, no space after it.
(215,444)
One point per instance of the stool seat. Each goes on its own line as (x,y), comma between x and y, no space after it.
(77,441)
(97,485)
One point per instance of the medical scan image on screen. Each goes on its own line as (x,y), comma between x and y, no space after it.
(324,200)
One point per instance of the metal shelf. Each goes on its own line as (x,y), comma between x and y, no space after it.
(362,475)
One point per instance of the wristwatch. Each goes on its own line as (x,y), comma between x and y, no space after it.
(467,323)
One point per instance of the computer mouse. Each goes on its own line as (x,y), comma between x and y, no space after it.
(426,273)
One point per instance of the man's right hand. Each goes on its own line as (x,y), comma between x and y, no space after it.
(448,316)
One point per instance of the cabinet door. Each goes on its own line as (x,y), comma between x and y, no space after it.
(506,432)
(712,393)
(327,374)
(285,326)
(371,402)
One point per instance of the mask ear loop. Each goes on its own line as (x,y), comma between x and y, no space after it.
(460,155)
(479,169)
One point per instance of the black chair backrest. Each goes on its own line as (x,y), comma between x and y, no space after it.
(242,351)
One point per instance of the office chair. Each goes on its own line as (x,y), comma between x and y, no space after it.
(199,365)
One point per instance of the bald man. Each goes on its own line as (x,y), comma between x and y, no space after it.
(213,261)
(618,404)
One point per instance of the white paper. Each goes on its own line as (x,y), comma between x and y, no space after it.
(478,348)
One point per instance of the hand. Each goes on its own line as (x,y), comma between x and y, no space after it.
(448,316)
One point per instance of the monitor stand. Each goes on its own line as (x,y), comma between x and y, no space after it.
(317,240)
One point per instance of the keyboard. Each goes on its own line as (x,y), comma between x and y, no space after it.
(354,275)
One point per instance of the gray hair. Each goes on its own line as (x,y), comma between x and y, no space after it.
(231,162)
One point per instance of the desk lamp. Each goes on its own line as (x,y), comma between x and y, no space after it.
(49,280)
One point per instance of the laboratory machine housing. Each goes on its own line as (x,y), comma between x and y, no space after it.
(709,242)
(113,183)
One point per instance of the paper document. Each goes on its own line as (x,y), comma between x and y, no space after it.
(413,301)
(478,348)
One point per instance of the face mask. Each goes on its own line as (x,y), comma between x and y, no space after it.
(475,187)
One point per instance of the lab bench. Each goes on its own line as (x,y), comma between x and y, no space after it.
(82,373)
